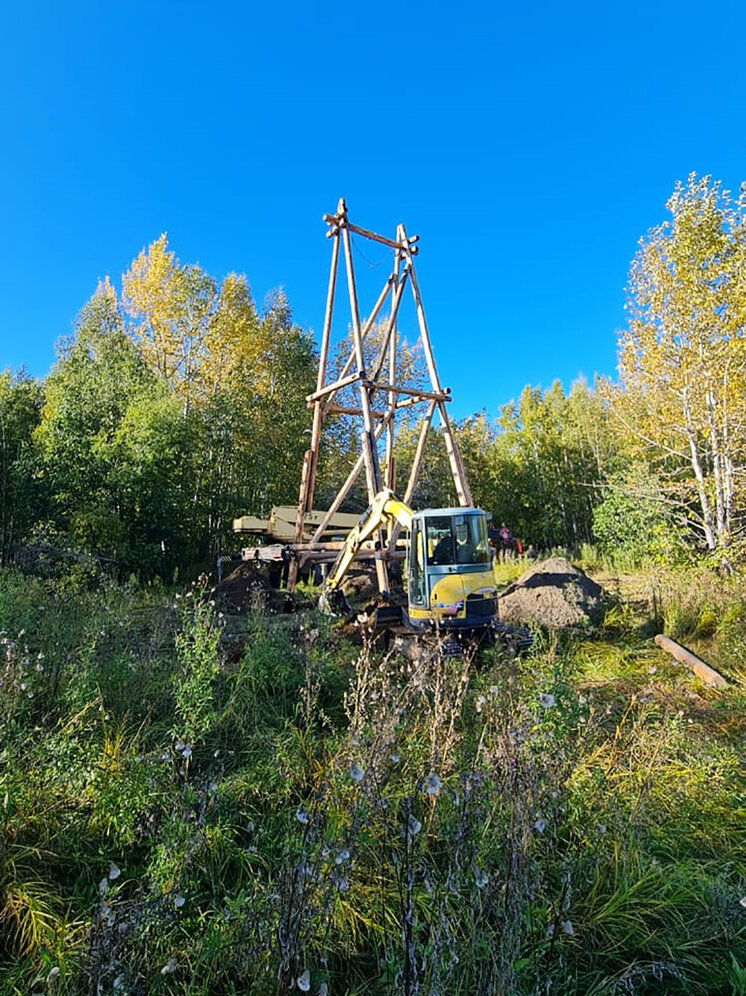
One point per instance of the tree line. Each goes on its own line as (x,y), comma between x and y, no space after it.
(178,404)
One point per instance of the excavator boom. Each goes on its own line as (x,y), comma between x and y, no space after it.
(385,508)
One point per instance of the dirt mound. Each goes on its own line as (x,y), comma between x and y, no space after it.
(244,590)
(554,594)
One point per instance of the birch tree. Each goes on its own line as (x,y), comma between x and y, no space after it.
(172,305)
(682,357)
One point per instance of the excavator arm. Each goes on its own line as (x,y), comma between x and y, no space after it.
(384,508)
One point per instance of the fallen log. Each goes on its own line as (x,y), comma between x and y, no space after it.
(708,674)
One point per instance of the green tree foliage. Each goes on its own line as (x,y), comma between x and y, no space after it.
(157,449)
(256,375)
(98,375)
(538,468)
(155,434)
(21,497)
(554,451)
(635,524)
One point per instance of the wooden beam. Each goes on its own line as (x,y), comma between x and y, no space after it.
(318,414)
(293,568)
(708,674)
(330,556)
(391,324)
(341,410)
(414,392)
(391,336)
(454,456)
(322,392)
(408,402)
(419,452)
(339,498)
(337,221)
(370,450)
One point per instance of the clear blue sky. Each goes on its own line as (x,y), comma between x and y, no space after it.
(530,146)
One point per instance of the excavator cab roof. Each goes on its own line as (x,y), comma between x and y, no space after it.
(426,512)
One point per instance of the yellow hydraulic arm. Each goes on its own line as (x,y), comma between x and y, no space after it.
(384,508)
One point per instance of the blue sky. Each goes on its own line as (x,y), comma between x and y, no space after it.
(529,146)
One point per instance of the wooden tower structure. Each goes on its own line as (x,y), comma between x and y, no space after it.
(379,397)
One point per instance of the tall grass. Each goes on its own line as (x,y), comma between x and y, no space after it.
(313,816)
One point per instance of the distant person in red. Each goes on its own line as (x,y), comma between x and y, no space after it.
(506,543)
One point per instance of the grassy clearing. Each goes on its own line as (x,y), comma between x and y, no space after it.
(312,816)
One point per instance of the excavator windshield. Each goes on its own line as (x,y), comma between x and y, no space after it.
(457,539)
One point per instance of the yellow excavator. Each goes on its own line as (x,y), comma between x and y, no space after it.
(448,574)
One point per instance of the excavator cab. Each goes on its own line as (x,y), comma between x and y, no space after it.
(450,580)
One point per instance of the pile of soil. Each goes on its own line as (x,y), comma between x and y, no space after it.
(246,589)
(554,594)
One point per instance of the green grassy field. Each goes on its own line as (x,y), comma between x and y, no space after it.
(180,815)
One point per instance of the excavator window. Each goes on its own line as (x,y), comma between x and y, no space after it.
(457,539)
(440,540)
(417,593)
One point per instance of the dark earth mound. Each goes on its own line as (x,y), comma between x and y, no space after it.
(246,589)
(554,594)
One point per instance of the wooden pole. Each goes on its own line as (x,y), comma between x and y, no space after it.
(311,458)
(408,402)
(343,491)
(419,453)
(392,335)
(344,410)
(415,471)
(336,385)
(318,413)
(339,498)
(370,448)
(708,674)
(414,392)
(300,516)
(454,457)
(390,326)
(369,324)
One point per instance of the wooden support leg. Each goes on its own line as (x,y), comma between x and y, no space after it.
(311,458)
(370,449)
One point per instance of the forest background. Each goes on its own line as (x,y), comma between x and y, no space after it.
(179,403)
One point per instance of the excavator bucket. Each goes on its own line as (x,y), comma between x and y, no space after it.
(332,602)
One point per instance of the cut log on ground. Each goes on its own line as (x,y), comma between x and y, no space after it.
(708,674)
